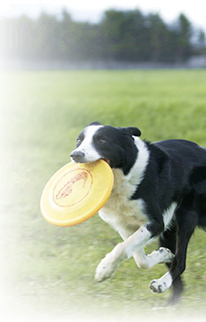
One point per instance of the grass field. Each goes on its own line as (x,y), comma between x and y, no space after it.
(47,271)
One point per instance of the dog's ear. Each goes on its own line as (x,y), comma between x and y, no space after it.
(134,131)
(94,123)
(131,131)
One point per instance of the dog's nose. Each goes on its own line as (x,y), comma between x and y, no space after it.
(77,155)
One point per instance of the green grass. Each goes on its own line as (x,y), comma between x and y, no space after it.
(48,271)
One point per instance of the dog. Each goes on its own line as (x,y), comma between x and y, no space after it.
(159,191)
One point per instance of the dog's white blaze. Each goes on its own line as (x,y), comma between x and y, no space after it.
(136,173)
(168,214)
(86,146)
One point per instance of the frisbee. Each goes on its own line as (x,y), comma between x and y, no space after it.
(76,192)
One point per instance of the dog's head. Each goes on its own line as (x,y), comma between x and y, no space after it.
(114,145)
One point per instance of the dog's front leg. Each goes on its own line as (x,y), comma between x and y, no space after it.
(122,251)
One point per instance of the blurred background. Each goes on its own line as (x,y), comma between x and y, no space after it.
(102,35)
(134,63)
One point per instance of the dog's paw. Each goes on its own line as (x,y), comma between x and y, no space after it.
(166,256)
(105,269)
(109,264)
(161,285)
(158,287)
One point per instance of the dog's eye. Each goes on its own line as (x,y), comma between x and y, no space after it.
(101,141)
(78,142)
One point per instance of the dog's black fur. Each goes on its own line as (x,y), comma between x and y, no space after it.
(175,172)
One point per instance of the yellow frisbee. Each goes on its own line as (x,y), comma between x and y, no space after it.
(76,192)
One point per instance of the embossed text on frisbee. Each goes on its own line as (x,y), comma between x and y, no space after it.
(73,187)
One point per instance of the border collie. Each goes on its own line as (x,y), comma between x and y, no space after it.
(159,191)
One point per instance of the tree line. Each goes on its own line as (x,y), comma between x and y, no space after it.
(120,35)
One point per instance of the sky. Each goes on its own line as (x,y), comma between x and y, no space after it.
(91,10)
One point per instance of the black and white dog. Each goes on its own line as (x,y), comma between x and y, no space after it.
(159,191)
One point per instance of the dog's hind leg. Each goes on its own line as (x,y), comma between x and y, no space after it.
(186,223)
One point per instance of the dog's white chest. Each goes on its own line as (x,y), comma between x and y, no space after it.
(122,213)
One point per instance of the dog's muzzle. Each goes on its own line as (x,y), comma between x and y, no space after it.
(77,156)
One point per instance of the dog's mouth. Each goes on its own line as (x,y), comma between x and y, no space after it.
(106,160)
